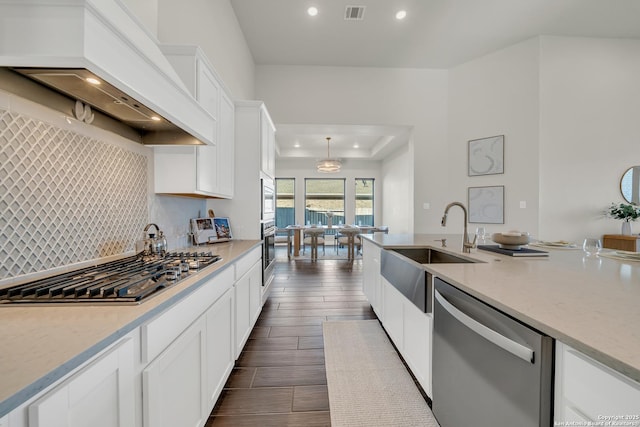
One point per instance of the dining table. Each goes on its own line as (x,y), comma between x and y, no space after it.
(351,231)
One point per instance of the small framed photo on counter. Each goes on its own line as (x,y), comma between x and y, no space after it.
(223,228)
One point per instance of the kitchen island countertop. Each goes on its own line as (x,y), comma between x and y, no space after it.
(590,303)
(42,343)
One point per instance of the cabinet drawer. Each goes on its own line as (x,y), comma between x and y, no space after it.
(158,333)
(596,390)
(246,262)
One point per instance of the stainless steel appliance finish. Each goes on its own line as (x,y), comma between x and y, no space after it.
(407,277)
(268,251)
(102,96)
(402,267)
(268,200)
(489,370)
(126,281)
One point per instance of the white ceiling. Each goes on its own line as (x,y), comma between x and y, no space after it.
(435,34)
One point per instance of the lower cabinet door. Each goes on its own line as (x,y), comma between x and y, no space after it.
(255,297)
(417,344)
(174,384)
(248,296)
(220,351)
(393,313)
(243,312)
(100,395)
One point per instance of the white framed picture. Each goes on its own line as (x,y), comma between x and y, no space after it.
(486,204)
(486,156)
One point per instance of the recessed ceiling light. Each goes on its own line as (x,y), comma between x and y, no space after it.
(155,118)
(401,14)
(297,145)
(92,80)
(312,11)
(356,145)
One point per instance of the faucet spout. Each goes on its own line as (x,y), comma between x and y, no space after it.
(466,244)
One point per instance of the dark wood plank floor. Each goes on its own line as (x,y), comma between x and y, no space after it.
(280,379)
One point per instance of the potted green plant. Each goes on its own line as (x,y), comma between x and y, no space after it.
(626,212)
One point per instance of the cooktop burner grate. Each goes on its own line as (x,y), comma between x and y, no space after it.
(126,281)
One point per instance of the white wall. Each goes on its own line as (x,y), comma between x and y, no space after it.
(305,168)
(589,132)
(497,95)
(146,11)
(398,187)
(568,110)
(213,26)
(381,96)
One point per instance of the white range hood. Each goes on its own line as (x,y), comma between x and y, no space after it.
(59,43)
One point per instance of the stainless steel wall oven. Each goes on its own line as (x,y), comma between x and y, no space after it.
(268,250)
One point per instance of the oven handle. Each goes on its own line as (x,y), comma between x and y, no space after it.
(501,341)
(269,231)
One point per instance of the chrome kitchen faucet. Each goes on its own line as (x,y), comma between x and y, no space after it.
(466,245)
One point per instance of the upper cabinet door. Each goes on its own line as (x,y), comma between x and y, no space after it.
(267,143)
(207,88)
(226,142)
(207,169)
(204,171)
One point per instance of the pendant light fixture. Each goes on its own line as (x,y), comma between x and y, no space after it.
(328,165)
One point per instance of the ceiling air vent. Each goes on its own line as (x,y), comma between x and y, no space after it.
(353,13)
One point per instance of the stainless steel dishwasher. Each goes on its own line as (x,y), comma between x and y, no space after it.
(489,370)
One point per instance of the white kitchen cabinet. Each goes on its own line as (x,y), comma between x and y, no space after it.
(267,144)
(410,330)
(416,349)
(197,74)
(186,170)
(248,297)
(174,384)
(4,421)
(207,88)
(251,119)
(393,313)
(371,285)
(99,395)
(588,391)
(226,146)
(200,171)
(408,326)
(181,386)
(220,356)
(158,333)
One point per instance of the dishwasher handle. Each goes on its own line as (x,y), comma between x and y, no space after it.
(501,341)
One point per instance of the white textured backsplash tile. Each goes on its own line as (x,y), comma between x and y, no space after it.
(65,197)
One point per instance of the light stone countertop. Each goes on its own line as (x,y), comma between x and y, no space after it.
(590,303)
(42,343)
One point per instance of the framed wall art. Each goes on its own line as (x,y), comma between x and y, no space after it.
(486,156)
(486,204)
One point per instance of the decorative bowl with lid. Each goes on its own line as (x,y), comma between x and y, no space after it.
(511,239)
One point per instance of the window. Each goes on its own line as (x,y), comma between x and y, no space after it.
(364,201)
(323,196)
(285,202)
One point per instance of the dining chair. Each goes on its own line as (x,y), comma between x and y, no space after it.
(307,241)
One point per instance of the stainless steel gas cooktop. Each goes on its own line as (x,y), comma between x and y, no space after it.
(125,281)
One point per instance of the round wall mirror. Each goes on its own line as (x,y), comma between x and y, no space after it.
(630,185)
